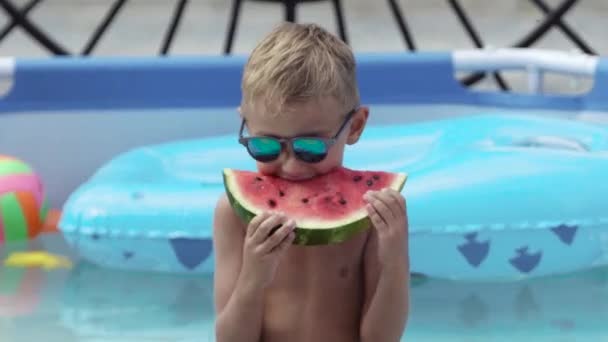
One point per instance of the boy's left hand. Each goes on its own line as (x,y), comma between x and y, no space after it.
(388,213)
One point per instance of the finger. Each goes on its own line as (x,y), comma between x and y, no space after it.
(397,202)
(401,207)
(267,226)
(398,196)
(275,240)
(375,217)
(283,244)
(402,203)
(255,223)
(286,242)
(273,221)
(379,201)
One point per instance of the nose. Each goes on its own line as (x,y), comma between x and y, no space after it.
(288,158)
(290,164)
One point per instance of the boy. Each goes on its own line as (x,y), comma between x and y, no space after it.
(300,81)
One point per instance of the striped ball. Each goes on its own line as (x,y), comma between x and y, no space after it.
(23,205)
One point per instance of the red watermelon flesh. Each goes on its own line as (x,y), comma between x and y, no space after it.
(328,208)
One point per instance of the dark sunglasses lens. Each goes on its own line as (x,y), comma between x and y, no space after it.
(310,150)
(264,149)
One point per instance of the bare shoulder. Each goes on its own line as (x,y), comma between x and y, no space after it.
(228,237)
(228,234)
(223,206)
(225,220)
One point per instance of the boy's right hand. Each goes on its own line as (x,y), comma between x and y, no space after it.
(263,248)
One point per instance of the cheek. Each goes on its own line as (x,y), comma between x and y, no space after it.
(337,151)
(333,159)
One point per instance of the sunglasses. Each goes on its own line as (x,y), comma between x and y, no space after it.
(308,149)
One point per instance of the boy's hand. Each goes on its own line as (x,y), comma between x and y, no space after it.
(264,246)
(387,211)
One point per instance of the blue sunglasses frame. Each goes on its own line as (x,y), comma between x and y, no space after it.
(328,142)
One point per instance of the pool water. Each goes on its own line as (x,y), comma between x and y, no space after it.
(88,303)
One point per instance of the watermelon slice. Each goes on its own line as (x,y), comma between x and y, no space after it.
(327,209)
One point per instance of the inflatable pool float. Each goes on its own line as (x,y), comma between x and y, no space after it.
(489,197)
(23,205)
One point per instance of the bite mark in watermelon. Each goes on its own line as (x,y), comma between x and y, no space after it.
(327,209)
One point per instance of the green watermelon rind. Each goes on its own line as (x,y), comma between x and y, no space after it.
(307,236)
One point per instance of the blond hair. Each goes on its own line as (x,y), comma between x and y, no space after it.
(299,62)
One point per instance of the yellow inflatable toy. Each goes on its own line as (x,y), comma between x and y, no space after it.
(37,259)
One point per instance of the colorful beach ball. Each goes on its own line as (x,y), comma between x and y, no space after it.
(23,206)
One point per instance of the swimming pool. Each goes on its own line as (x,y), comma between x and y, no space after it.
(90,303)
(67,132)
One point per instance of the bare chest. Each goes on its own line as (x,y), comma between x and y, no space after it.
(317,293)
(319,266)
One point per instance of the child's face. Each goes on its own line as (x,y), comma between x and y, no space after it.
(318,118)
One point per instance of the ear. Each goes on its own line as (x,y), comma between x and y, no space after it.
(357,125)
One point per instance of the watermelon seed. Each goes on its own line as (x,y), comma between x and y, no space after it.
(258,179)
(370,182)
(357,178)
(304,200)
(342,201)
(281,193)
(376,177)
(272,203)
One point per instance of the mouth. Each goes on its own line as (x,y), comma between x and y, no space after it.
(296,178)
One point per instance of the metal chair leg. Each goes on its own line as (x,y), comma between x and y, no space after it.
(234,17)
(566,29)
(529,39)
(33,30)
(290,16)
(475,37)
(402,25)
(290,10)
(340,20)
(171,31)
(103,26)
(25,10)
